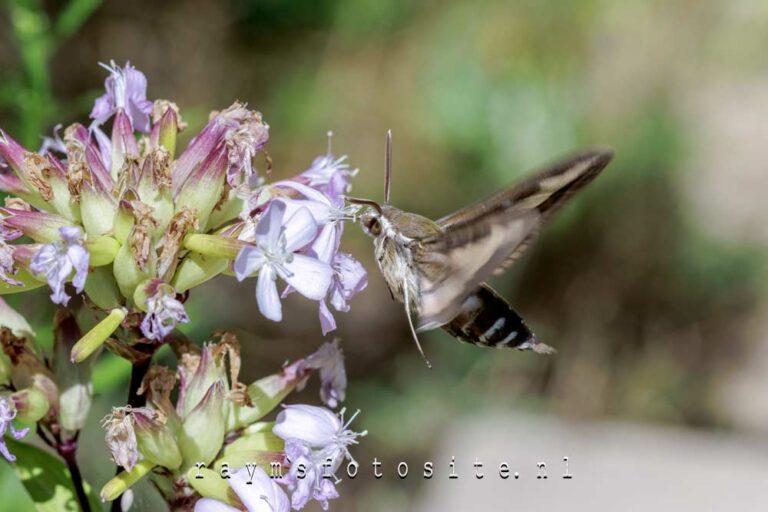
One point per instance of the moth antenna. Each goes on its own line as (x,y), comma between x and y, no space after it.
(367,202)
(413,329)
(388,167)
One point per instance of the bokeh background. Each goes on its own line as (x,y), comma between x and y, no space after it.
(652,285)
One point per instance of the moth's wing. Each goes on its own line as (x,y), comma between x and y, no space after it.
(490,234)
(553,185)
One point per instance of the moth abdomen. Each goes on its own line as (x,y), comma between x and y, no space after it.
(486,319)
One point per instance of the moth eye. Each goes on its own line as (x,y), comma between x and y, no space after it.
(372,226)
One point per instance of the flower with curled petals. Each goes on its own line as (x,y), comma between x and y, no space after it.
(59,259)
(164,311)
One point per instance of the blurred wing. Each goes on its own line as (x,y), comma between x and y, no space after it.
(491,234)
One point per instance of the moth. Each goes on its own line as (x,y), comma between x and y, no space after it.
(437,269)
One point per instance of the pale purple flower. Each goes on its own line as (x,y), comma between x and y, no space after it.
(126,89)
(59,259)
(317,440)
(324,431)
(278,238)
(329,175)
(7,414)
(163,313)
(328,360)
(255,489)
(349,278)
(326,205)
(307,478)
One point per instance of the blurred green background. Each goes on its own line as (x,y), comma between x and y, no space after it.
(652,285)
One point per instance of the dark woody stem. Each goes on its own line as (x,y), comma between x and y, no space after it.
(138,371)
(139,367)
(67,451)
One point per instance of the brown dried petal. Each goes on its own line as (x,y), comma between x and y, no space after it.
(181,223)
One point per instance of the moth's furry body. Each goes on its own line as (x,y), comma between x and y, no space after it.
(484,319)
(393,249)
(437,269)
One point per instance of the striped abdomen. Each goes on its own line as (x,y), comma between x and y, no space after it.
(486,319)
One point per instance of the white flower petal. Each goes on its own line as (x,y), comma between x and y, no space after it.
(317,426)
(249,260)
(266,295)
(309,276)
(300,230)
(271,224)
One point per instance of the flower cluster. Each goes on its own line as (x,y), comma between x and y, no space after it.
(216,421)
(316,443)
(114,212)
(117,225)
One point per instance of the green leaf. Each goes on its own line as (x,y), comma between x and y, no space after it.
(47,479)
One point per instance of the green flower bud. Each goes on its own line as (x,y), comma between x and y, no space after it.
(124,219)
(156,441)
(102,289)
(98,210)
(103,250)
(210,369)
(31,405)
(167,125)
(127,272)
(202,432)
(123,481)
(194,270)
(61,199)
(155,188)
(214,245)
(202,189)
(98,335)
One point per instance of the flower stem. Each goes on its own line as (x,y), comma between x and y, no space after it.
(138,371)
(67,451)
